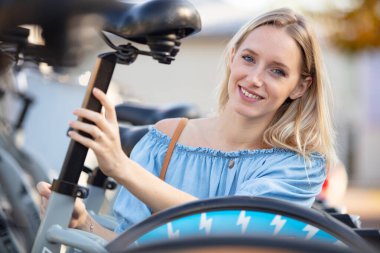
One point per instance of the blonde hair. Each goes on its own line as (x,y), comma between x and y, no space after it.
(303,125)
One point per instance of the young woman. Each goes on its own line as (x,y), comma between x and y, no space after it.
(271,137)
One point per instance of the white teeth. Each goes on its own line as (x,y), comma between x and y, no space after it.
(249,95)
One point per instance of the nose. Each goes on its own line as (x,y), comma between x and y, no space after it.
(255,77)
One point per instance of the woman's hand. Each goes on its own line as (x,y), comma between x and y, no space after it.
(79,215)
(105,141)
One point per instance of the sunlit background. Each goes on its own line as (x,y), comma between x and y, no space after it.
(349,31)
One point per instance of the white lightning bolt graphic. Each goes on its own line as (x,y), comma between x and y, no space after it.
(278,223)
(339,243)
(46,250)
(171,233)
(311,231)
(243,221)
(205,223)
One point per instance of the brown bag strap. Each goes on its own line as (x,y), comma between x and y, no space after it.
(177,133)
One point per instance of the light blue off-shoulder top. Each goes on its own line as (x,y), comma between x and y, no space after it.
(208,173)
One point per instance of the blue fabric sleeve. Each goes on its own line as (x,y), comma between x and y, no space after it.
(289,177)
(128,209)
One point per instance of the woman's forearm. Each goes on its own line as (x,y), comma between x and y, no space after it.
(90,225)
(151,190)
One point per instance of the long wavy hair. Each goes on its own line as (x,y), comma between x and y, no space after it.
(303,125)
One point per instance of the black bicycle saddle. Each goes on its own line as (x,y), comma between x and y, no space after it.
(154,18)
(61,26)
(158,23)
(132,21)
(137,114)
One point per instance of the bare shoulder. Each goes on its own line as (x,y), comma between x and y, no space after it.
(167,126)
(192,135)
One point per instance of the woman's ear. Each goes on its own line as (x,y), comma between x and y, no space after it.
(301,88)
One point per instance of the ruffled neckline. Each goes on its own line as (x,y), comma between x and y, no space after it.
(213,152)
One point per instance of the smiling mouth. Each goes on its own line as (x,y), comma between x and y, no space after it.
(250,95)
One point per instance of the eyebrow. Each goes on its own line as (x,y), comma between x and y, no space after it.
(274,62)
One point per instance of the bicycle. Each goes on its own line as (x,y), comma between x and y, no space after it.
(162,37)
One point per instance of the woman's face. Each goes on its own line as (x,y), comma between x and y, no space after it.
(265,71)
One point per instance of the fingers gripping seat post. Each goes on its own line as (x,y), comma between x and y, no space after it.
(160,24)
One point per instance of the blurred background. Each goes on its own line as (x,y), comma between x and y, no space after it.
(349,31)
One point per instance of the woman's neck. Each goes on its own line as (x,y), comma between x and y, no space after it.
(240,132)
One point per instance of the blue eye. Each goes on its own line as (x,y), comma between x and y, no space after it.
(248,58)
(279,72)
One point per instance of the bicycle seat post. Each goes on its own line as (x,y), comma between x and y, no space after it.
(65,189)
